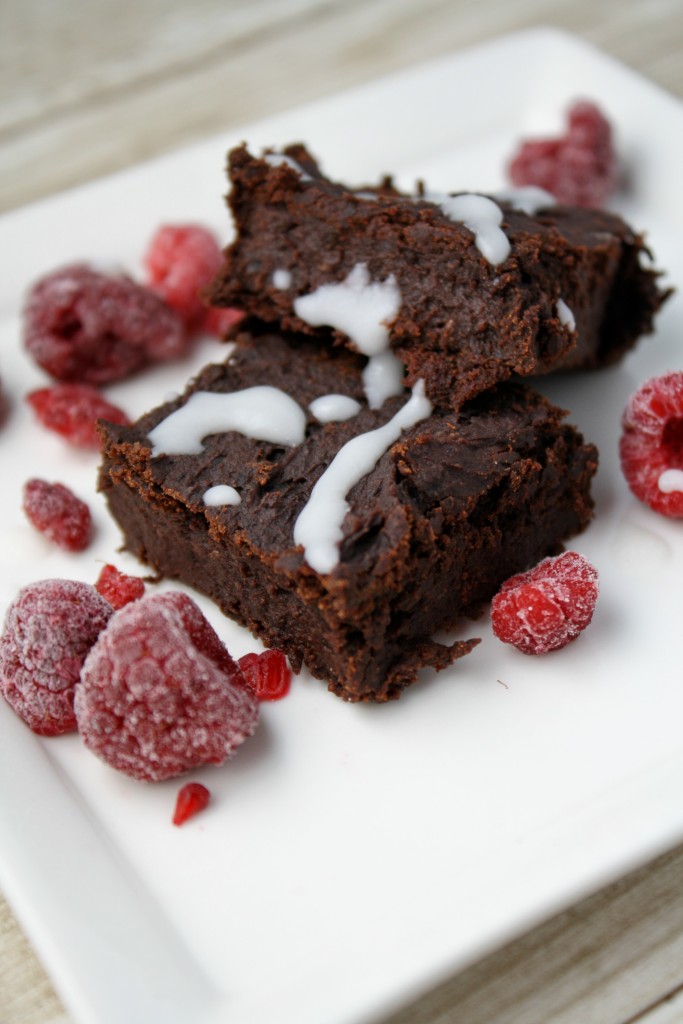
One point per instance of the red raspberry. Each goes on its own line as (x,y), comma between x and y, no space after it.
(579,169)
(191,798)
(159,693)
(88,327)
(544,609)
(72,410)
(117,588)
(49,629)
(268,674)
(651,446)
(220,321)
(58,513)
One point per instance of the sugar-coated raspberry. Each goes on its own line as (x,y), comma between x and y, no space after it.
(159,693)
(580,168)
(72,410)
(268,674)
(117,588)
(49,629)
(545,608)
(192,798)
(58,514)
(84,326)
(651,445)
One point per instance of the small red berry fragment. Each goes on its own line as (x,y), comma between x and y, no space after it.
(58,514)
(544,609)
(72,410)
(49,629)
(84,326)
(192,798)
(651,445)
(220,321)
(268,674)
(159,693)
(117,588)
(580,168)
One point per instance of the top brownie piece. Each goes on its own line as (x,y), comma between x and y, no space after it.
(570,293)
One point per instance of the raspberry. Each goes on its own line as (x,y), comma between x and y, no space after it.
(651,444)
(191,798)
(268,674)
(58,513)
(220,321)
(579,169)
(117,588)
(72,410)
(88,327)
(159,693)
(544,609)
(49,629)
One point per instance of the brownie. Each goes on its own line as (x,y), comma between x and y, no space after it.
(572,292)
(454,506)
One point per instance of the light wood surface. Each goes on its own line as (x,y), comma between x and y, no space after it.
(89,88)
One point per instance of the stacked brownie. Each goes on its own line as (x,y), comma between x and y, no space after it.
(366,468)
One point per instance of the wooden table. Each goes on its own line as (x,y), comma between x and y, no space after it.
(87,89)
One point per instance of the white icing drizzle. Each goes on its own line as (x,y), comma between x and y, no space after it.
(565,315)
(382,378)
(263,413)
(277,159)
(671,481)
(221,494)
(334,408)
(528,198)
(482,217)
(282,278)
(318,528)
(358,306)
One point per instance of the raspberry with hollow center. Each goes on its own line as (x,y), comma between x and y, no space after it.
(192,798)
(580,168)
(547,607)
(49,629)
(84,326)
(117,588)
(72,410)
(159,693)
(57,513)
(268,674)
(651,444)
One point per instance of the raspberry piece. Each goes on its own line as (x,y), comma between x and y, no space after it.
(580,168)
(544,609)
(192,798)
(58,513)
(72,411)
(117,588)
(219,321)
(84,326)
(651,445)
(159,693)
(49,629)
(268,674)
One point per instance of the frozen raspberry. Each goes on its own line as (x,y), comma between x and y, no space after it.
(544,609)
(58,513)
(651,446)
(49,629)
(268,674)
(159,693)
(579,169)
(117,588)
(192,798)
(72,410)
(84,326)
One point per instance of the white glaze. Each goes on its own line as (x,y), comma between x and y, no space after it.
(671,481)
(382,378)
(263,413)
(482,217)
(358,306)
(318,529)
(334,408)
(277,159)
(282,278)
(565,315)
(528,198)
(221,494)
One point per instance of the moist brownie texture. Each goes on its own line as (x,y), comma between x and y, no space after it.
(567,289)
(456,504)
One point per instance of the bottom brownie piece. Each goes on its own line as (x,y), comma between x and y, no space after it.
(456,504)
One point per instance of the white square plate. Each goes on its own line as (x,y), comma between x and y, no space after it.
(354,856)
